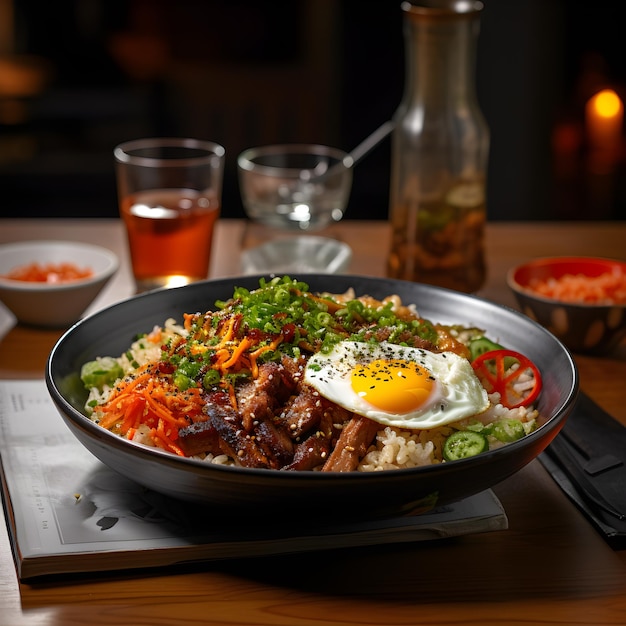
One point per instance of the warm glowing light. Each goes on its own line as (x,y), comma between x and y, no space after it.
(176,281)
(607,103)
(604,119)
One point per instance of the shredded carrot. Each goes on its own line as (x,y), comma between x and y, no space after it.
(230,388)
(244,344)
(220,358)
(133,415)
(254,355)
(198,349)
(115,408)
(156,334)
(228,334)
(270,346)
(188,320)
(156,403)
(151,401)
(162,440)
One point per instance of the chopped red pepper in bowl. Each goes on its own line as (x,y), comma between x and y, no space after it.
(580,300)
(49,272)
(49,283)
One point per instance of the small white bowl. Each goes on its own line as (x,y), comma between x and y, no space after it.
(53,305)
(302,253)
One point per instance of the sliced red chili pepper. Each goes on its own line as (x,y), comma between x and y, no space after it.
(494,370)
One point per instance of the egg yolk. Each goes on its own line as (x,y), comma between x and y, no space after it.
(393,385)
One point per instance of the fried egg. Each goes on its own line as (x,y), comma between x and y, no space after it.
(397,385)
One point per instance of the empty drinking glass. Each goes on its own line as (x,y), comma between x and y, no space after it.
(301,187)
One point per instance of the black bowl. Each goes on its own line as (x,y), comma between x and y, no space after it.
(237,491)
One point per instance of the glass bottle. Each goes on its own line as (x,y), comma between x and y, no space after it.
(440,147)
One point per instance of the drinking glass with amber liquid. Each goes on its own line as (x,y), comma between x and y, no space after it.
(169,199)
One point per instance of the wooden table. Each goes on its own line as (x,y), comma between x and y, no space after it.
(549,567)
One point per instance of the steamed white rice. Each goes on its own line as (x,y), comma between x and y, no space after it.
(395,448)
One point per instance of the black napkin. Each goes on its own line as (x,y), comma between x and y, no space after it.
(587,460)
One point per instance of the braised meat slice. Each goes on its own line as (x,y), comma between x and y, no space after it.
(261,398)
(199,438)
(313,451)
(294,368)
(310,453)
(302,412)
(202,437)
(275,442)
(234,440)
(356,437)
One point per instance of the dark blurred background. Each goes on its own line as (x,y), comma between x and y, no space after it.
(79,76)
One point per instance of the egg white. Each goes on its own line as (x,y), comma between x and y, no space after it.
(457,392)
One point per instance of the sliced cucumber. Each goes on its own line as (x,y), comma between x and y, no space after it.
(463,444)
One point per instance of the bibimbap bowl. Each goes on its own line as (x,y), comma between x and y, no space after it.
(277,493)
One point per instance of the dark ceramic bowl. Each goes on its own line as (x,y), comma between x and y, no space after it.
(261,492)
(583,327)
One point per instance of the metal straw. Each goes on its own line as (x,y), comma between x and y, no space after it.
(354,156)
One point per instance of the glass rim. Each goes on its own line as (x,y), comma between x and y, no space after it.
(245,158)
(439,10)
(208,151)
